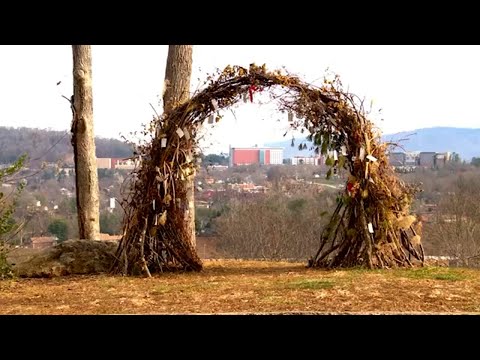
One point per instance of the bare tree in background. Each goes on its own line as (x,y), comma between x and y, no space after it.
(83,142)
(275,226)
(176,91)
(455,230)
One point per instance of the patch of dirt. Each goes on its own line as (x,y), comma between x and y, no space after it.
(251,287)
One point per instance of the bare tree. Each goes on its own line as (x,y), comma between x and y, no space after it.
(176,91)
(83,142)
(455,229)
(274,226)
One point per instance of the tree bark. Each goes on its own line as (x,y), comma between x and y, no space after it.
(177,76)
(83,141)
(176,91)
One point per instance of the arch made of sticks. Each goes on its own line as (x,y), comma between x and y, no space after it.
(371,225)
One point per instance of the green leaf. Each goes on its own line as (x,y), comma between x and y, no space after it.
(324,148)
(329,161)
(329,173)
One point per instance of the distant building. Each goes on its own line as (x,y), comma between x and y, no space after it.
(218,167)
(68,171)
(441,159)
(248,188)
(255,155)
(124,164)
(427,159)
(108,237)
(43,242)
(306,160)
(115,163)
(411,158)
(397,158)
(104,163)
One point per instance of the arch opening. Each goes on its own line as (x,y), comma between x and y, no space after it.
(371,225)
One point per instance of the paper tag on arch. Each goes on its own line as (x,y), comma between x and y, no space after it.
(180,133)
(370,228)
(215,104)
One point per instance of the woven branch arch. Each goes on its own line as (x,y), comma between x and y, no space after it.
(371,225)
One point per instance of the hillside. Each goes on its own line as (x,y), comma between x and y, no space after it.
(51,146)
(463,141)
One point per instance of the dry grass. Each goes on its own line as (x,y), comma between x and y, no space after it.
(250,287)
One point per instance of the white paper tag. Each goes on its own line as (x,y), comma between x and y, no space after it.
(153,204)
(187,134)
(290,116)
(180,133)
(335,155)
(163,142)
(370,228)
(344,150)
(215,104)
(371,158)
(361,156)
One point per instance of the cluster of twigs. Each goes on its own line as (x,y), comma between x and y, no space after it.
(371,225)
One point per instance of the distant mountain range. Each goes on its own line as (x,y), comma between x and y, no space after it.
(463,141)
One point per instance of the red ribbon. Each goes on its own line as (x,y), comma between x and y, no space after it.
(251,89)
(349,187)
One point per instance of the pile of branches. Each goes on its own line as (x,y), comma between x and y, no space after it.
(370,227)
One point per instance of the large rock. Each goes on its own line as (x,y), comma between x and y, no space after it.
(72,257)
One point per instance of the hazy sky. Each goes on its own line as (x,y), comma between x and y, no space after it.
(416,86)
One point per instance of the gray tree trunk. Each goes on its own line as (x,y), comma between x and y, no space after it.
(176,91)
(83,142)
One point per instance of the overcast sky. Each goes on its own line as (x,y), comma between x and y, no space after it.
(416,86)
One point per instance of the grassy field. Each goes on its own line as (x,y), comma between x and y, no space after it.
(250,287)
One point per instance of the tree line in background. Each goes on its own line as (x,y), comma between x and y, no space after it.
(51,145)
(274,226)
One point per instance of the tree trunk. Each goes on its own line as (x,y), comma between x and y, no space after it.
(83,141)
(176,91)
